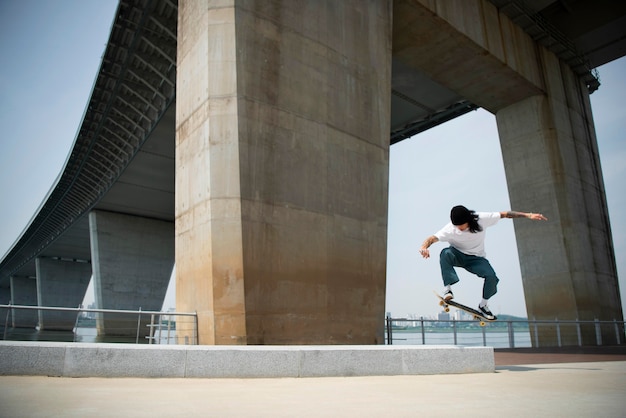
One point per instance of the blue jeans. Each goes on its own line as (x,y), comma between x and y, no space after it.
(451,257)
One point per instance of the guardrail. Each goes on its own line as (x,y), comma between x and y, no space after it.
(155,327)
(500,334)
(99,325)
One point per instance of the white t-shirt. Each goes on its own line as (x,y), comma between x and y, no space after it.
(465,241)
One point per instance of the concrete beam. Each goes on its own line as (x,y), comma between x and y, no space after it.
(468,47)
(60,283)
(123,360)
(132,260)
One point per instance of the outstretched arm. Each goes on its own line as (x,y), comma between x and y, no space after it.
(427,243)
(531,215)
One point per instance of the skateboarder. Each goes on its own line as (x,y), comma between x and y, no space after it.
(466,235)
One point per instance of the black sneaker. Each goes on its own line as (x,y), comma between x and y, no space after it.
(485,311)
(448,295)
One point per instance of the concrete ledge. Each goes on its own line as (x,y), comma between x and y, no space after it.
(126,360)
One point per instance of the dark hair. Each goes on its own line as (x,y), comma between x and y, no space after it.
(460,215)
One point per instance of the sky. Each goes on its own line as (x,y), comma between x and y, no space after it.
(50,53)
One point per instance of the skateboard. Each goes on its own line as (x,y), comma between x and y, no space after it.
(477,314)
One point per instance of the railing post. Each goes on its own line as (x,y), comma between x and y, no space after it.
(617,337)
(6,322)
(389,337)
(76,323)
(536,331)
(511,334)
(484,331)
(151,337)
(138,326)
(558,331)
(580,333)
(423,331)
(160,327)
(169,326)
(454,330)
(598,332)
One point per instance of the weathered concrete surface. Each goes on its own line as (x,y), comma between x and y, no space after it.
(132,259)
(282,170)
(552,165)
(126,360)
(468,47)
(282,119)
(24,292)
(60,283)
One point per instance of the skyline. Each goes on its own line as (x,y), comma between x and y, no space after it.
(47,89)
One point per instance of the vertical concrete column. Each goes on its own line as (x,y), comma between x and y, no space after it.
(24,292)
(282,148)
(132,260)
(61,283)
(552,165)
(5,298)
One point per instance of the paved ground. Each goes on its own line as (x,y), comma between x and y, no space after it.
(573,389)
(504,357)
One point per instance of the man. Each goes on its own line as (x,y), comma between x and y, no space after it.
(466,235)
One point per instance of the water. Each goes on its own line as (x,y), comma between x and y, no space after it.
(81,334)
(495,339)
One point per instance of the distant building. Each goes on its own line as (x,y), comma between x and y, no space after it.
(443,316)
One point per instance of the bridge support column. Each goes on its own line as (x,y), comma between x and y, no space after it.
(60,283)
(132,260)
(24,292)
(552,165)
(282,147)
(5,298)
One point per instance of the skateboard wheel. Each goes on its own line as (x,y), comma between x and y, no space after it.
(441,303)
(447,309)
(482,323)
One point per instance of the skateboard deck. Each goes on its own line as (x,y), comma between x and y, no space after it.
(477,314)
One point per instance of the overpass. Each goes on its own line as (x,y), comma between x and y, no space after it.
(443,63)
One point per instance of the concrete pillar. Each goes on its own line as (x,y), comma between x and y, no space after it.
(5,295)
(5,299)
(24,292)
(282,147)
(552,165)
(61,283)
(132,260)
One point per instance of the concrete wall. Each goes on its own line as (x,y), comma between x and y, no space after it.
(123,360)
(282,170)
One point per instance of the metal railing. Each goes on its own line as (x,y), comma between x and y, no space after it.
(23,322)
(503,333)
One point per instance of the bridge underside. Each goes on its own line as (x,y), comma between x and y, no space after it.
(275,123)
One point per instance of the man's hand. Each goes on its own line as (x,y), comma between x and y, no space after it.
(537,217)
(424,251)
